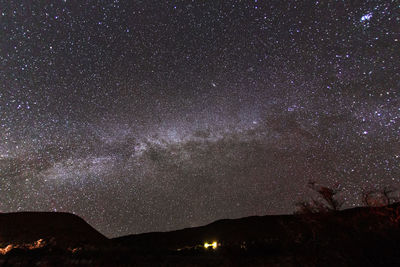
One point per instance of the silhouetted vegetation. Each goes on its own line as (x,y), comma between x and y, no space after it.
(326,202)
(376,198)
(323,235)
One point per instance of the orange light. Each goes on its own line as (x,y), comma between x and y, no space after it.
(5,250)
(35,245)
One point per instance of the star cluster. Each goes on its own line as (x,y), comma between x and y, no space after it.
(157,115)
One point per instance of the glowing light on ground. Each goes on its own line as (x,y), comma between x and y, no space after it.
(35,245)
(214,245)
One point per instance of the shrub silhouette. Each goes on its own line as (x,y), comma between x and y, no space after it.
(383,199)
(327,201)
(374,198)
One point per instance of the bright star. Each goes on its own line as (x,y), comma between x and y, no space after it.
(367,16)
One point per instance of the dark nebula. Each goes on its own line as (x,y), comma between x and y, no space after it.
(158,115)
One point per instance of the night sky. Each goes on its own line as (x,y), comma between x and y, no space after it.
(157,115)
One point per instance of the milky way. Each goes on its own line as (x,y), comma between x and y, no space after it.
(156,115)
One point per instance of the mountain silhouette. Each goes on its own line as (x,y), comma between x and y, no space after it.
(364,236)
(63,229)
(282,229)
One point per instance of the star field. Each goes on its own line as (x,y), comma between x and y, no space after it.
(157,115)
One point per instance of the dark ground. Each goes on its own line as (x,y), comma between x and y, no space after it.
(354,237)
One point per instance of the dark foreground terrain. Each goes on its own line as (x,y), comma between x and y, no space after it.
(353,237)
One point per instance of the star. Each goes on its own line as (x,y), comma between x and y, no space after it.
(142,116)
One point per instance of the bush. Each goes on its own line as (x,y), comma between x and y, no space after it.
(327,201)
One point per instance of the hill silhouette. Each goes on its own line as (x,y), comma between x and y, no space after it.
(63,229)
(368,236)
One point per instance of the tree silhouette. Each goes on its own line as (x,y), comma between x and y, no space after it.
(327,201)
(374,198)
